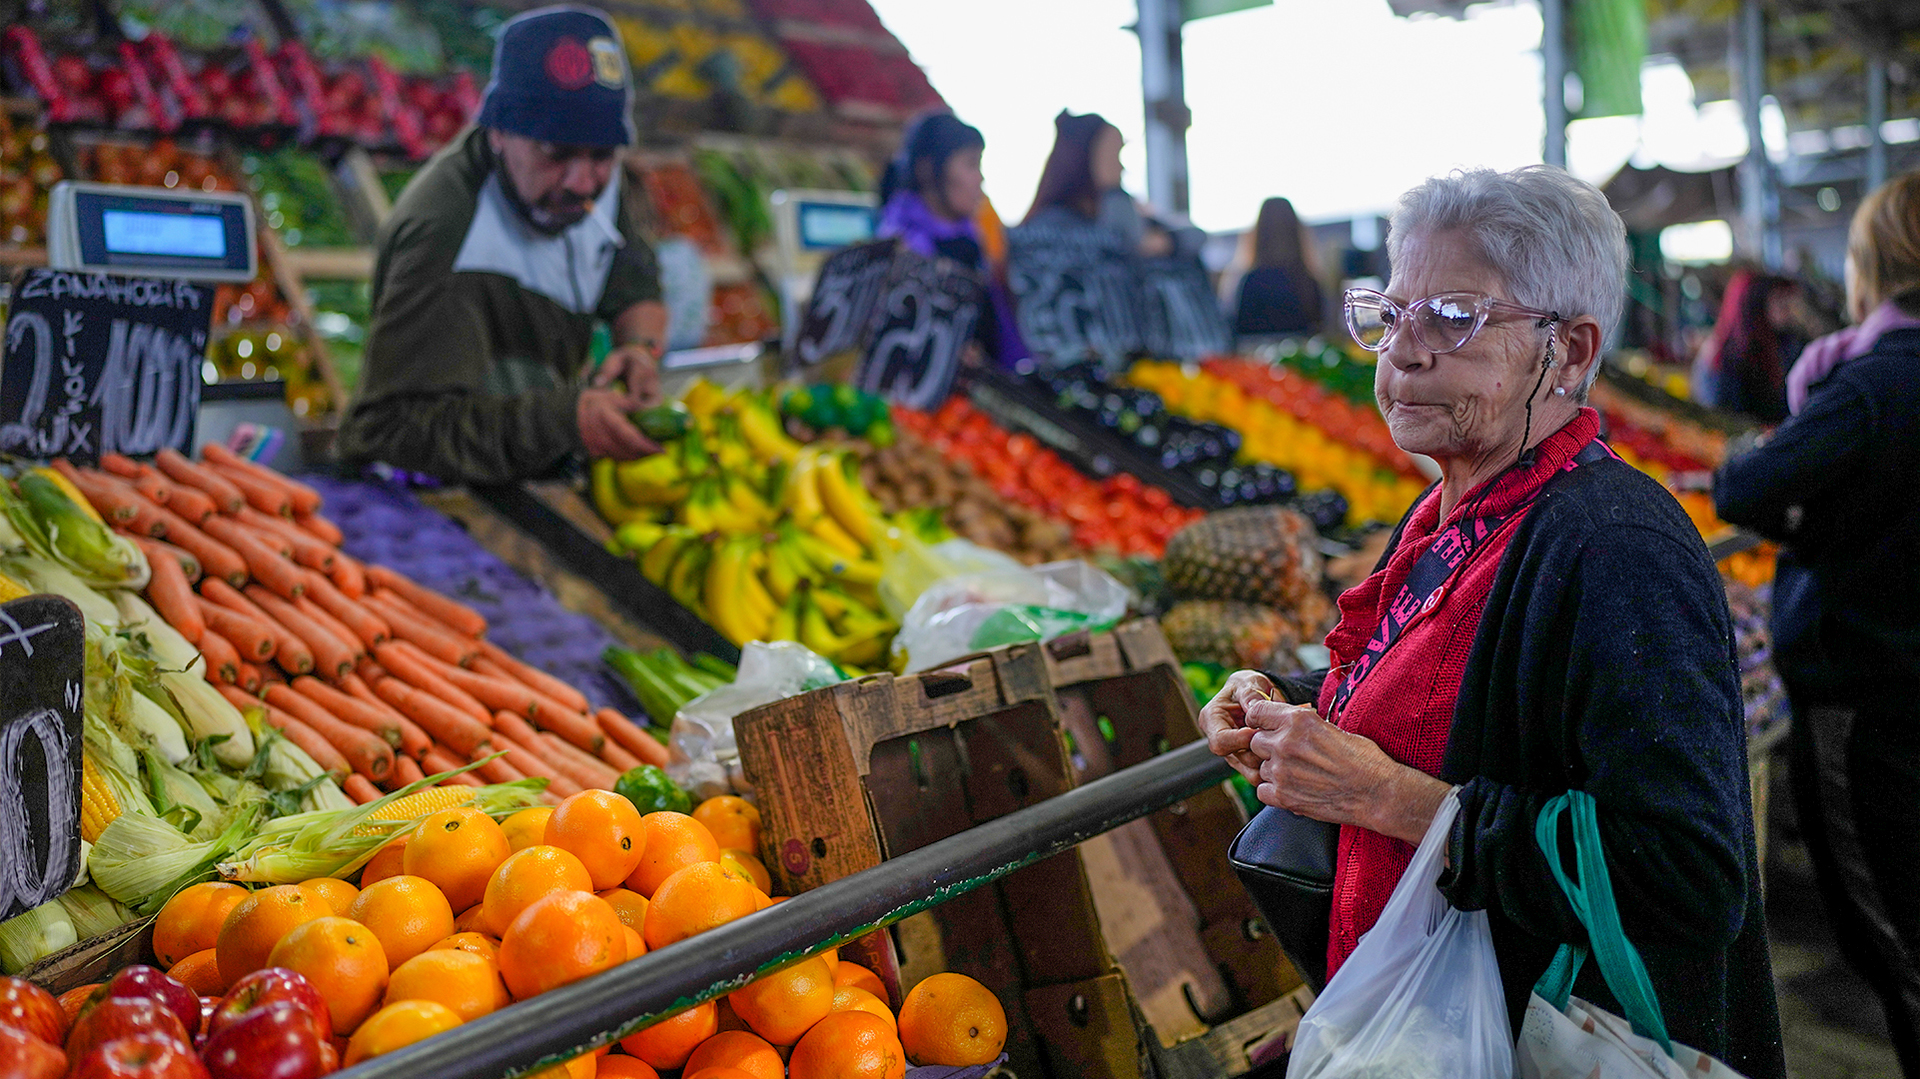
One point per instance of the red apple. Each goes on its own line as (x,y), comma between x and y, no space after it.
(264,987)
(278,1041)
(109,1018)
(142,1056)
(144,981)
(23,1056)
(32,1009)
(207,1006)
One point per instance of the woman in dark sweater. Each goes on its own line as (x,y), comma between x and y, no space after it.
(1839,485)
(1579,640)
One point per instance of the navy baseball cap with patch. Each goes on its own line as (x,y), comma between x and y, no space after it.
(560,76)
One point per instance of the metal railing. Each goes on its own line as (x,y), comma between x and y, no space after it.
(577,1018)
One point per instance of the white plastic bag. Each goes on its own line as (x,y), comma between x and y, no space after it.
(1420,998)
(1588,1042)
(705,759)
(909,567)
(963,615)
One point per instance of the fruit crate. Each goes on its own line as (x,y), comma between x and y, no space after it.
(1209,980)
(852,774)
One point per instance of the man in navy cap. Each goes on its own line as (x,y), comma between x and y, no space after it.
(499,257)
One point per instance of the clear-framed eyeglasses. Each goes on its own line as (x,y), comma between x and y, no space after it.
(1442,322)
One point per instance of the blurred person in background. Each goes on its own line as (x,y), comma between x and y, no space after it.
(1273,285)
(932,200)
(1838,485)
(1743,367)
(1081,181)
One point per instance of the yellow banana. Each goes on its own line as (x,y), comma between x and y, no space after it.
(703,398)
(743,497)
(603,486)
(848,614)
(829,530)
(864,650)
(831,557)
(803,491)
(659,557)
(760,603)
(761,428)
(651,480)
(846,505)
(636,537)
(786,621)
(689,570)
(816,634)
(724,598)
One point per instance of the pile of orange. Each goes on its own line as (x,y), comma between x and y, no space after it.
(463,915)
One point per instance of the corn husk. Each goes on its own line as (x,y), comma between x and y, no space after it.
(45,575)
(28,938)
(93,912)
(55,528)
(141,860)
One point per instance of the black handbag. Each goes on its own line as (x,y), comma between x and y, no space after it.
(1285,861)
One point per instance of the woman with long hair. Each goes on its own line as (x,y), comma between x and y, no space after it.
(1743,367)
(1082,180)
(1276,289)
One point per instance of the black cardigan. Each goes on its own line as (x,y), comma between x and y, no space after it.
(1605,662)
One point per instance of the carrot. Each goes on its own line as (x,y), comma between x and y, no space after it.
(290,650)
(223,660)
(631,738)
(192,504)
(348,576)
(498,694)
(413,740)
(367,627)
(298,733)
(308,699)
(226,497)
(149,518)
(538,679)
(253,639)
(155,487)
(160,550)
(497,770)
(254,519)
(304,499)
(529,760)
(143,477)
(360,790)
(249,677)
(408,626)
(405,770)
(261,495)
(441,759)
(331,656)
(442,722)
(171,595)
(577,728)
(300,546)
(618,759)
(120,465)
(272,676)
(216,558)
(263,562)
(332,625)
(453,614)
(581,768)
(112,499)
(320,528)
(415,669)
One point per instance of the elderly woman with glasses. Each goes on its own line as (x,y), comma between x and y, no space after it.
(1545,618)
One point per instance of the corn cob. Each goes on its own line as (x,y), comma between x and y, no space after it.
(11,589)
(98,805)
(419,804)
(67,488)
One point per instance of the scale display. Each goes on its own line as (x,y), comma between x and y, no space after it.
(151,232)
(828,226)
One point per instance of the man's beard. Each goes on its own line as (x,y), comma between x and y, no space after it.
(544,219)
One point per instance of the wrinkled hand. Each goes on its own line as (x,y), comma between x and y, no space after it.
(605,430)
(1223,720)
(1317,770)
(637,368)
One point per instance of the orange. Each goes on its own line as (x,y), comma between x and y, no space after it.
(734,822)
(848,1045)
(76,998)
(636,944)
(584,1066)
(526,876)
(468,984)
(257,923)
(847,998)
(615,1066)
(630,905)
(674,841)
(200,972)
(396,1026)
(527,828)
(457,849)
(604,831)
(480,944)
(782,1006)
(717,1073)
(754,868)
(337,894)
(560,938)
(952,1020)
(343,960)
(390,861)
(739,1049)
(668,1043)
(407,913)
(694,900)
(730,1019)
(471,920)
(190,922)
(850,973)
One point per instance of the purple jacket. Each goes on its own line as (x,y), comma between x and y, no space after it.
(907,217)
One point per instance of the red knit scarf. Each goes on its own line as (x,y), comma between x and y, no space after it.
(1406,703)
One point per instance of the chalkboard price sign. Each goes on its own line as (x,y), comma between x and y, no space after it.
(42,668)
(97,363)
(908,317)
(1077,293)
(846,296)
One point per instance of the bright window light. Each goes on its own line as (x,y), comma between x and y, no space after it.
(1700,241)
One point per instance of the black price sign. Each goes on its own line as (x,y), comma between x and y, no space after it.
(97,363)
(908,317)
(1076,292)
(846,296)
(42,671)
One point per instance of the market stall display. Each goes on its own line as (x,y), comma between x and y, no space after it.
(28,170)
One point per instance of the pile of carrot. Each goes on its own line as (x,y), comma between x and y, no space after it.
(380,679)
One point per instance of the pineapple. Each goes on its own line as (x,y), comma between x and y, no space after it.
(1255,554)
(1234,635)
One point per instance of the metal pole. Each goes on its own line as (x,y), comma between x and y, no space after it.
(1163,88)
(577,1018)
(1759,195)
(1553,80)
(1876,117)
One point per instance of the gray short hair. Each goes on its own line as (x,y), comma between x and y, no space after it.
(1552,237)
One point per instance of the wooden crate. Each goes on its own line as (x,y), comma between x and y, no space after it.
(855,773)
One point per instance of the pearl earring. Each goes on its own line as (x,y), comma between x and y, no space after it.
(1560,391)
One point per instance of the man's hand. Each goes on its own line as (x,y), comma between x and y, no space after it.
(606,431)
(637,368)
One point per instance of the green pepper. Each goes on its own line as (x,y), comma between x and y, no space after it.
(663,423)
(651,791)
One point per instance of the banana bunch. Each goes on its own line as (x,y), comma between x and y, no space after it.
(761,536)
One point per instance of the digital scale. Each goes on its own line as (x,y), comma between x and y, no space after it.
(807,227)
(151,232)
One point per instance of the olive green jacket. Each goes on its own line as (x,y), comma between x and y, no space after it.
(481,325)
